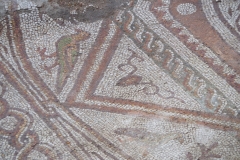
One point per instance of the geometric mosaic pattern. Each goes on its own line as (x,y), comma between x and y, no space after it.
(158,79)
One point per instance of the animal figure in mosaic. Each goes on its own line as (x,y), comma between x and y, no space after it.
(146,137)
(84,123)
(168,60)
(150,140)
(67,51)
(132,79)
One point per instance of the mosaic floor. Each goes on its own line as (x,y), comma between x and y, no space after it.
(110,79)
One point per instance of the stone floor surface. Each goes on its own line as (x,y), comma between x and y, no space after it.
(120,79)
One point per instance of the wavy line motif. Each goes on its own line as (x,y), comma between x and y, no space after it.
(169,56)
(188,78)
(148,39)
(184,75)
(177,68)
(129,27)
(140,30)
(200,87)
(129,19)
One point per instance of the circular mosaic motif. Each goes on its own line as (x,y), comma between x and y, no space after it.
(186,9)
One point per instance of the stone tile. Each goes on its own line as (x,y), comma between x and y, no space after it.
(130,79)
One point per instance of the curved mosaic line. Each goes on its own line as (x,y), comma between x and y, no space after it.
(134,82)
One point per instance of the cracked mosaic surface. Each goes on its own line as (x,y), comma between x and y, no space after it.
(108,79)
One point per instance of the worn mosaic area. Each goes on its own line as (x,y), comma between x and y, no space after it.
(110,79)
